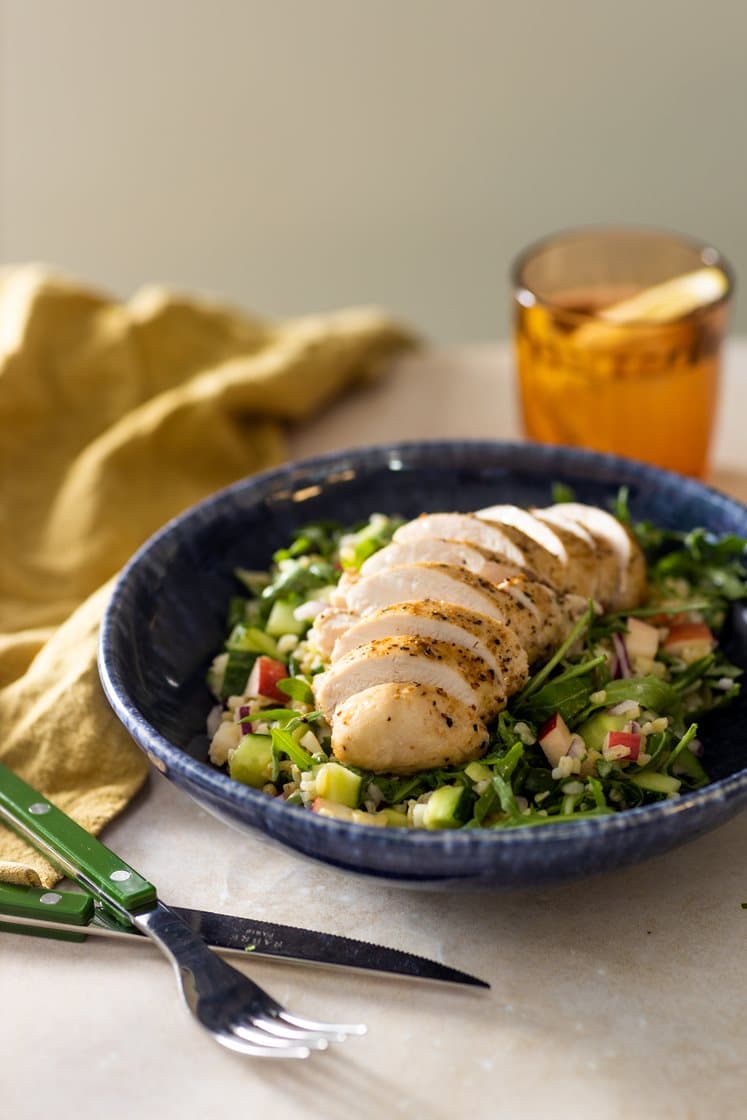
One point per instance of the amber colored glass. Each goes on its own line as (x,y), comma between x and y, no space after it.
(644,390)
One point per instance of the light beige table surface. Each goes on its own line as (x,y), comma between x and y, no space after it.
(622,996)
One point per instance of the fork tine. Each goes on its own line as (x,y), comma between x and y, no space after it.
(258,1050)
(327,1029)
(274,1026)
(247,1028)
(253,1029)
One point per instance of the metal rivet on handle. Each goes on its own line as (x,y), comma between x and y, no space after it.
(39,807)
(119,876)
(50,898)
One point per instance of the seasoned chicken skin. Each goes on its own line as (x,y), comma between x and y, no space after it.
(460,672)
(535,613)
(427,643)
(405,728)
(431,550)
(627,586)
(495,642)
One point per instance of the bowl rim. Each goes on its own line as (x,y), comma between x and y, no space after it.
(167,756)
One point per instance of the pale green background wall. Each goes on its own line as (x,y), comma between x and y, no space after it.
(304,154)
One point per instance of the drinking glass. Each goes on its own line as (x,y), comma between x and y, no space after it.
(618,335)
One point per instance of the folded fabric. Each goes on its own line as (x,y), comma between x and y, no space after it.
(114,417)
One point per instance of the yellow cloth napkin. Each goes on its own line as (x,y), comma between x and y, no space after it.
(114,417)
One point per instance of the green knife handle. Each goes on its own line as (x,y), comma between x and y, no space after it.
(80,855)
(66,907)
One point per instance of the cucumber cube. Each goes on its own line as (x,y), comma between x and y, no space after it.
(656,782)
(251,762)
(594,730)
(283,621)
(476,772)
(392,818)
(337,783)
(447,807)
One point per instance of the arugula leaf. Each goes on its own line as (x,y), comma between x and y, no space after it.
(568,697)
(284,743)
(540,677)
(297,689)
(686,739)
(561,492)
(649,692)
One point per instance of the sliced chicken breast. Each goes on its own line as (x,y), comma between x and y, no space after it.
(462,527)
(507,603)
(605,560)
(461,673)
(493,641)
(580,549)
(403,728)
(438,629)
(573,567)
(540,563)
(329,626)
(446,585)
(609,535)
(529,525)
(432,550)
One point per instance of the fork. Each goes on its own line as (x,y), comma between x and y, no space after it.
(233,1009)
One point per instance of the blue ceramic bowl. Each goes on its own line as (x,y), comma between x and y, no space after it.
(167,616)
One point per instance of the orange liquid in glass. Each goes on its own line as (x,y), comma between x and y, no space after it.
(646,391)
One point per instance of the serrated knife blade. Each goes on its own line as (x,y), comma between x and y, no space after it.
(30,910)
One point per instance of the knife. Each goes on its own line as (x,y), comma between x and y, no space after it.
(70,915)
(73,916)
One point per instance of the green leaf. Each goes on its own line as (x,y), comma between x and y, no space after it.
(486,804)
(249,639)
(561,492)
(540,677)
(649,692)
(297,689)
(506,797)
(568,696)
(686,739)
(252,581)
(284,742)
(620,506)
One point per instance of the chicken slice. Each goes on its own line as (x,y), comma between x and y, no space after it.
(610,535)
(403,728)
(461,673)
(491,640)
(572,563)
(583,563)
(329,626)
(432,550)
(462,527)
(506,603)
(529,525)
(539,561)
(556,613)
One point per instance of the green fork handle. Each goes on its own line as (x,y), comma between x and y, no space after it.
(78,854)
(66,907)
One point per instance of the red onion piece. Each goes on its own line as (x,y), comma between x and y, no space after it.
(623,707)
(246,727)
(577,749)
(214,719)
(244,711)
(623,663)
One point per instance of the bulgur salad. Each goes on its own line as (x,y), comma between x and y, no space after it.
(602,719)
